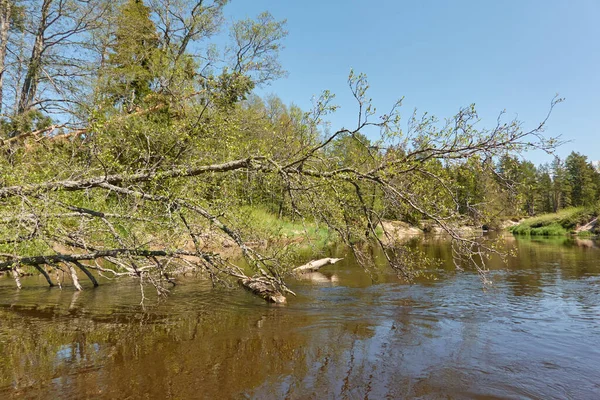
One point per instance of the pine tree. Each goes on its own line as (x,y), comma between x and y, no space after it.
(544,190)
(580,174)
(561,189)
(133,61)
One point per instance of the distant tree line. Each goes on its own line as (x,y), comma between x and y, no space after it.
(572,182)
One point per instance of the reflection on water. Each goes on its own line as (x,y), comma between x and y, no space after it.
(534,334)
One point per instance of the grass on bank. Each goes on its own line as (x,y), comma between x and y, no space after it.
(285,230)
(561,223)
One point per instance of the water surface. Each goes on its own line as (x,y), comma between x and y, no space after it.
(348,334)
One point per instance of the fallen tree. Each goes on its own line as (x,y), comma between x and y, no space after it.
(168,210)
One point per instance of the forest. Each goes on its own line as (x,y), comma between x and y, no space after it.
(133,143)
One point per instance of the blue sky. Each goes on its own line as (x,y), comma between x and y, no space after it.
(441,55)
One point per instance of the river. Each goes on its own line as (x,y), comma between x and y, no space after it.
(535,333)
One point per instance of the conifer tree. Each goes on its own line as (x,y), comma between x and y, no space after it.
(132,63)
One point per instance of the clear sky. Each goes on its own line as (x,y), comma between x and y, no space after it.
(441,55)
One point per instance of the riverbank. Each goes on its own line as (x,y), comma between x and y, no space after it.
(578,221)
(399,230)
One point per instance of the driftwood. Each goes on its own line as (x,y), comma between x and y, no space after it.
(264,289)
(315,265)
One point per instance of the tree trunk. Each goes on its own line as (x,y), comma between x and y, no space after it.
(34,65)
(5,11)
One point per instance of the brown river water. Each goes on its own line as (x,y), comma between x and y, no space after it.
(347,335)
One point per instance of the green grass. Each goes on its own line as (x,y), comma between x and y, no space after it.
(553,229)
(561,223)
(585,234)
(286,230)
